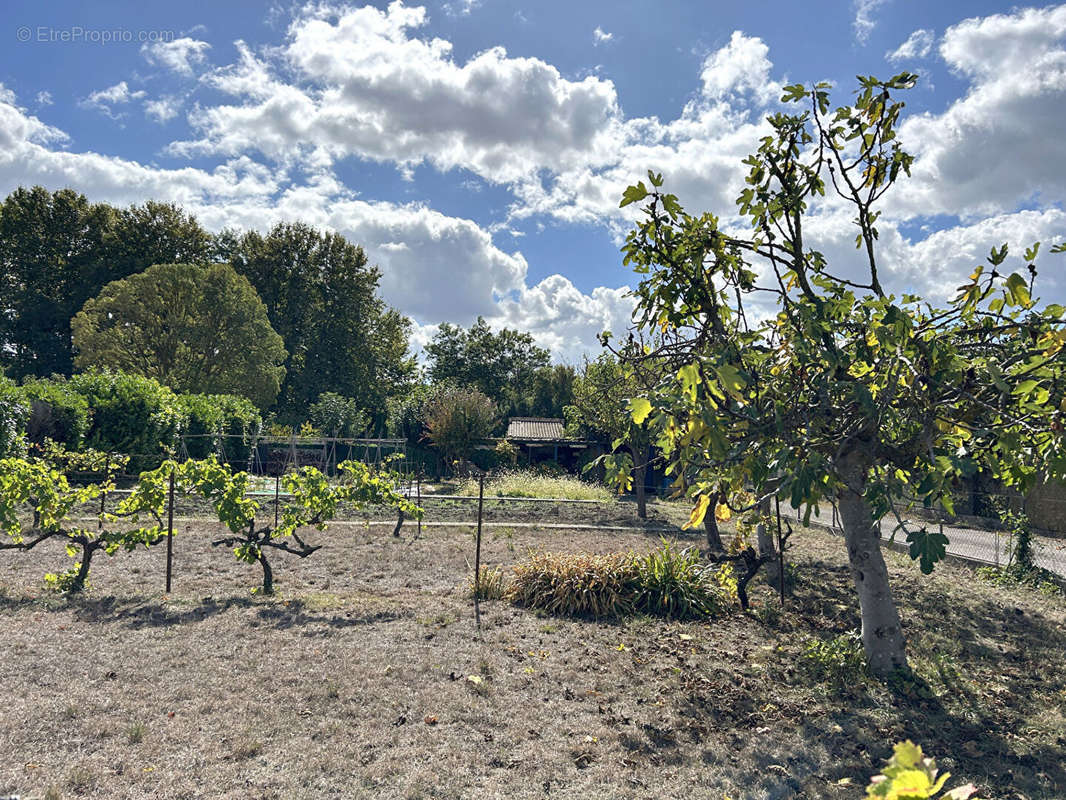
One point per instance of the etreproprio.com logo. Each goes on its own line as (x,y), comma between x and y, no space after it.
(76,34)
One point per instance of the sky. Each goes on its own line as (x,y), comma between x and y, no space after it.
(478,149)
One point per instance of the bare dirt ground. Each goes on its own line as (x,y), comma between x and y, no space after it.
(355,681)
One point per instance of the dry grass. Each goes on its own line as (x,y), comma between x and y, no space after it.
(368,677)
(531,484)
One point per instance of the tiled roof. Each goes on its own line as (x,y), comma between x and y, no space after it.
(527,428)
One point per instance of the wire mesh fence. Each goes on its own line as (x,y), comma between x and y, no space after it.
(978,539)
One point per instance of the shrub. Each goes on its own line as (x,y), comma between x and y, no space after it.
(57,412)
(220,418)
(457,420)
(130,414)
(14,412)
(338,416)
(582,584)
(491,586)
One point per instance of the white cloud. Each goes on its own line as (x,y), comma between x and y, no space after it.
(740,66)
(997,147)
(460,8)
(434,266)
(44,98)
(116,95)
(163,109)
(918,45)
(865,21)
(600,36)
(180,55)
(368,88)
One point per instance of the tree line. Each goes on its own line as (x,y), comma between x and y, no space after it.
(290,319)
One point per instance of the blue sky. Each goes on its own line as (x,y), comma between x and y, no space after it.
(477,150)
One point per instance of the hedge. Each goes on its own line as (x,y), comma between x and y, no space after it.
(14,412)
(57,412)
(131,414)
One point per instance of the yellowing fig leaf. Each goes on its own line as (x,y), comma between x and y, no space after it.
(639,408)
(699,512)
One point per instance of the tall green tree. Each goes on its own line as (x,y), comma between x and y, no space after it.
(57,250)
(601,399)
(502,365)
(552,390)
(52,260)
(845,392)
(195,328)
(321,297)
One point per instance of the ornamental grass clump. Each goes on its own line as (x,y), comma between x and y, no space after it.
(666,582)
(675,584)
(577,584)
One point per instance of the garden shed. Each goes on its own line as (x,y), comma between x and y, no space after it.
(541,439)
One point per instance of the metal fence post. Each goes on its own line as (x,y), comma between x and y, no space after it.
(477,552)
(170,530)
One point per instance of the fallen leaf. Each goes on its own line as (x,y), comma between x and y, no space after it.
(430,719)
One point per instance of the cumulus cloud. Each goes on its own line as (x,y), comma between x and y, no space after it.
(918,45)
(163,109)
(997,147)
(865,21)
(180,55)
(44,98)
(106,99)
(434,266)
(370,87)
(600,36)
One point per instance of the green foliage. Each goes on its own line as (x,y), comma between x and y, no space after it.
(338,416)
(674,584)
(405,413)
(195,328)
(506,453)
(57,250)
(521,483)
(909,775)
(57,412)
(844,391)
(220,419)
(666,582)
(321,297)
(130,414)
(1010,577)
(506,366)
(838,661)
(14,413)
(44,489)
(313,501)
(457,419)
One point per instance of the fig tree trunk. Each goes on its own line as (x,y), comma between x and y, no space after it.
(764,537)
(714,536)
(882,636)
(640,472)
